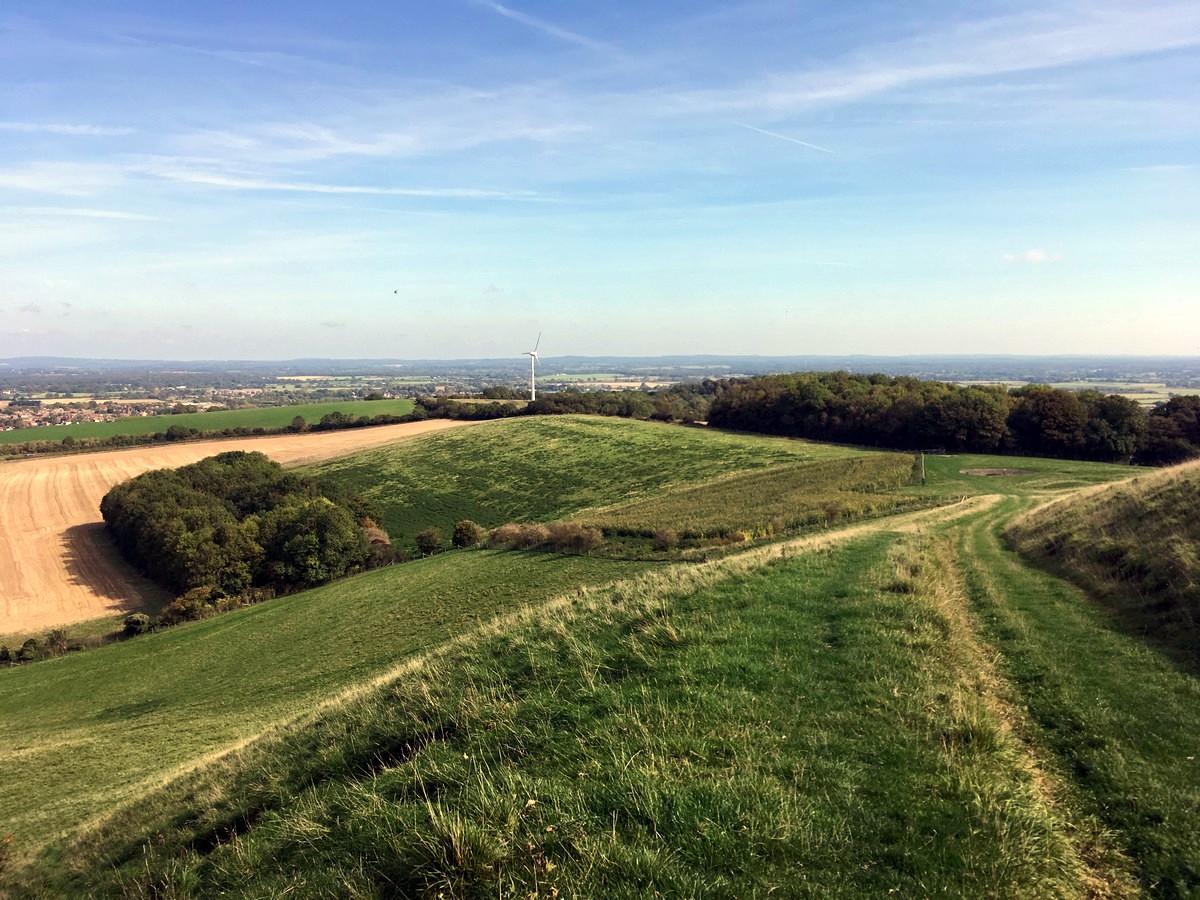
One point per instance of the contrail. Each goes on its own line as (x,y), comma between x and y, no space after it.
(543,26)
(782,137)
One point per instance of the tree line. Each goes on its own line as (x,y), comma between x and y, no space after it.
(237,527)
(908,413)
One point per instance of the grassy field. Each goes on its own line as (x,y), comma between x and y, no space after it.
(219,420)
(531,470)
(802,728)
(1136,548)
(1117,719)
(769,501)
(88,730)
(899,707)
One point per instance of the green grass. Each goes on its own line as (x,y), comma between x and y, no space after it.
(769,501)
(218,420)
(530,470)
(1119,720)
(800,730)
(1136,548)
(87,730)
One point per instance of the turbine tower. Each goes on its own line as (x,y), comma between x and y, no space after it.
(533,359)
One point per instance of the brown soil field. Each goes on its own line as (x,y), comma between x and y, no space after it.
(56,565)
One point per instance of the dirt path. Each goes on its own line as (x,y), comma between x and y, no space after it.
(55,566)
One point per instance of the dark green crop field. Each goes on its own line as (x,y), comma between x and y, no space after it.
(218,420)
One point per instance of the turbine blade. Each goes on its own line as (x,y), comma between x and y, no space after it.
(539,340)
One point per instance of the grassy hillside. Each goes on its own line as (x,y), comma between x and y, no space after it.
(800,730)
(219,420)
(899,707)
(531,470)
(87,730)
(1135,547)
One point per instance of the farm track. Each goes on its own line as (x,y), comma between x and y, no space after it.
(56,568)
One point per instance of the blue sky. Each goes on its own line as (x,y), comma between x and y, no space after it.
(275,180)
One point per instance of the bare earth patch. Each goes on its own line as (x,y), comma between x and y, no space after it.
(995,472)
(57,567)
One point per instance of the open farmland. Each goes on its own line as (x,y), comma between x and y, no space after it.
(217,420)
(56,567)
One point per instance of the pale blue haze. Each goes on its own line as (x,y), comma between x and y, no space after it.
(446,179)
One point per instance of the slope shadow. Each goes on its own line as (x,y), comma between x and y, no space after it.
(88,552)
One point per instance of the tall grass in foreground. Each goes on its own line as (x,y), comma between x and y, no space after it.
(86,731)
(816,728)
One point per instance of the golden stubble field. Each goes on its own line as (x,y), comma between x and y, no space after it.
(56,565)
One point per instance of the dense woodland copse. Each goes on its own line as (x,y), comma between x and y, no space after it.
(907,413)
(238,522)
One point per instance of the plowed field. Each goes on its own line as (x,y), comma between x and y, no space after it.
(56,567)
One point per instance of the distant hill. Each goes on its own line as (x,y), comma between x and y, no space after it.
(947,367)
(1135,547)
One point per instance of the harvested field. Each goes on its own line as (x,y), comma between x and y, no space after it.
(56,566)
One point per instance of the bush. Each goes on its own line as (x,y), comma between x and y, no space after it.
(198,603)
(505,536)
(665,539)
(467,534)
(430,541)
(6,657)
(56,641)
(573,537)
(530,536)
(29,650)
(136,623)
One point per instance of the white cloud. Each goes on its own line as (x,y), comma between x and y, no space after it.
(67,179)
(1033,257)
(60,128)
(217,179)
(77,213)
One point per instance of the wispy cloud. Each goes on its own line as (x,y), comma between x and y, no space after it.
(782,137)
(66,179)
(1023,42)
(217,179)
(545,27)
(65,129)
(77,213)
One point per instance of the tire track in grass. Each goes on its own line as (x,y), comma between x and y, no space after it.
(1114,720)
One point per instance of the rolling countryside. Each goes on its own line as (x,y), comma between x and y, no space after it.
(796,709)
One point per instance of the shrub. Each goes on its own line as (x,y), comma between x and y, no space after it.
(530,536)
(29,650)
(198,603)
(574,538)
(665,539)
(56,641)
(430,541)
(136,623)
(6,657)
(467,534)
(505,536)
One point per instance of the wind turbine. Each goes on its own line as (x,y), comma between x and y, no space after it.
(533,358)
